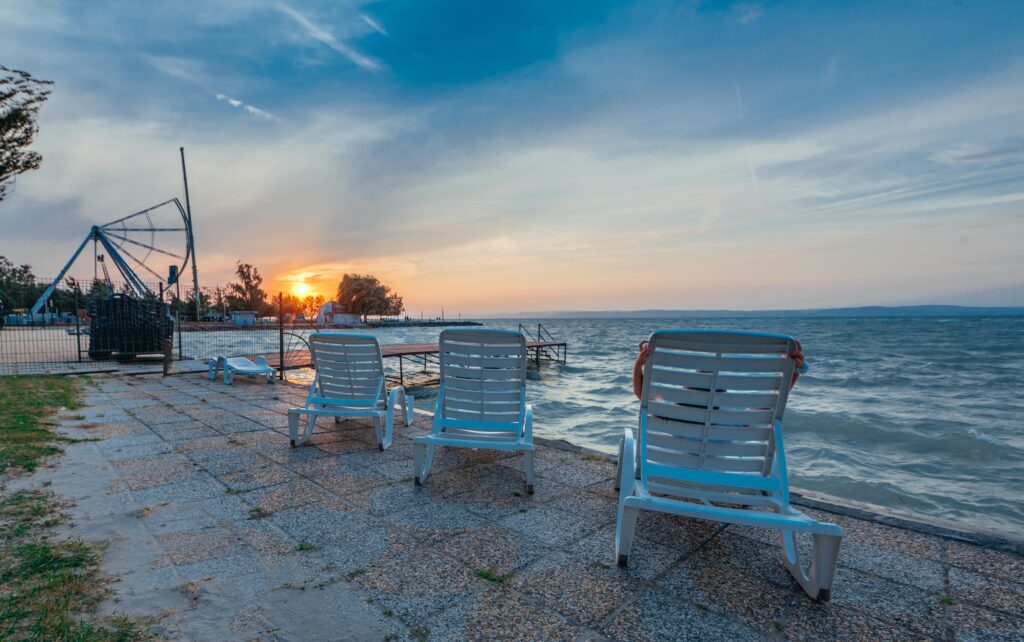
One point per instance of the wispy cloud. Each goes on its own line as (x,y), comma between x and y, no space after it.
(374,24)
(192,72)
(323,35)
(976,154)
(831,71)
(255,111)
(746,13)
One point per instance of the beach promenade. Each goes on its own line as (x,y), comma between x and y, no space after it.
(220,531)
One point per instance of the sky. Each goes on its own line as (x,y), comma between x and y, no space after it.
(490,157)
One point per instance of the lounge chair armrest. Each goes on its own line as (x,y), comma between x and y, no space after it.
(627,467)
(261,361)
(528,425)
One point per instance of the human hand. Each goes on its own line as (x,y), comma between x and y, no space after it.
(645,352)
(798,358)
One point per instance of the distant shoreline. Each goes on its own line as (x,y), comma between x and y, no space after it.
(874,311)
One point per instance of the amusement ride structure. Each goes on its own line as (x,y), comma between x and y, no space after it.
(155,238)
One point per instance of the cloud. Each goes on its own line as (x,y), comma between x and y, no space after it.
(746,13)
(323,35)
(373,24)
(976,154)
(255,111)
(831,71)
(193,72)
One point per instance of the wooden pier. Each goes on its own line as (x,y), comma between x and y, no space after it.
(422,355)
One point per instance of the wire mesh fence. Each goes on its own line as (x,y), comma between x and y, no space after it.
(100,325)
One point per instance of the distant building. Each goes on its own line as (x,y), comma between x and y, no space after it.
(334,313)
(243,318)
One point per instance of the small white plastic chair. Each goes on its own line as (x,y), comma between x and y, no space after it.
(349,382)
(710,438)
(481,402)
(240,365)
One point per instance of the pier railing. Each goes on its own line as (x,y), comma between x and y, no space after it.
(544,345)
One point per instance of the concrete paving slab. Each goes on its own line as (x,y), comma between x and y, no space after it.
(221,530)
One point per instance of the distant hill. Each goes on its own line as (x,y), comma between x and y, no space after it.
(865,311)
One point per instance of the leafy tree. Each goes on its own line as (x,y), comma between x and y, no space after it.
(364,294)
(247,293)
(18,287)
(290,304)
(311,305)
(21,95)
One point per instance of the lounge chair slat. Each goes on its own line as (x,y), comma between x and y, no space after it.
(714,416)
(699,430)
(697,445)
(711,363)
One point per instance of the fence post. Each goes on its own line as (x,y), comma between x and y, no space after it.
(168,342)
(177,320)
(280,334)
(78,329)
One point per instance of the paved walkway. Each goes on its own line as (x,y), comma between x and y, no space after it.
(222,531)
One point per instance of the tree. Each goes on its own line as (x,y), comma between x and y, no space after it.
(290,304)
(21,95)
(311,305)
(18,287)
(247,294)
(364,294)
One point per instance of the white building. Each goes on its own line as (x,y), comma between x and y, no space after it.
(334,313)
(243,318)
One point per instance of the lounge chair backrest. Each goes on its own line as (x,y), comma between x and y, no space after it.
(348,366)
(483,378)
(709,403)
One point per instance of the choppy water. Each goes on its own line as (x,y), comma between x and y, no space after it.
(919,414)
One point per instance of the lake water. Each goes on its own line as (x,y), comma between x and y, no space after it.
(918,414)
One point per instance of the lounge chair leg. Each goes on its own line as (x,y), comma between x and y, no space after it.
(378,432)
(528,465)
(818,585)
(293,427)
(624,530)
(618,468)
(418,453)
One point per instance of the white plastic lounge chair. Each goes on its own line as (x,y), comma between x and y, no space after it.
(349,382)
(710,439)
(481,402)
(240,365)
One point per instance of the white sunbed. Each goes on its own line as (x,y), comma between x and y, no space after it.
(481,401)
(710,439)
(349,382)
(240,365)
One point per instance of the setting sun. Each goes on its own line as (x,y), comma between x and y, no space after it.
(301,289)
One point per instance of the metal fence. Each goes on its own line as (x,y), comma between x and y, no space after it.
(100,327)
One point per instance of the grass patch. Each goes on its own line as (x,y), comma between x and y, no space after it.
(24,402)
(420,633)
(49,588)
(948,600)
(488,575)
(305,546)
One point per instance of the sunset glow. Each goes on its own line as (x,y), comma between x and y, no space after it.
(631,156)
